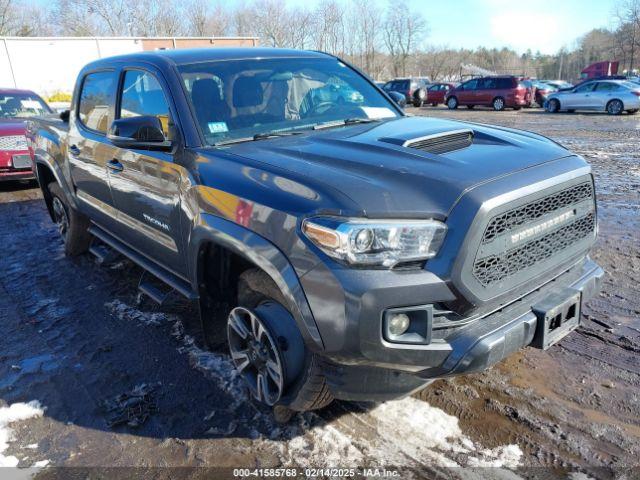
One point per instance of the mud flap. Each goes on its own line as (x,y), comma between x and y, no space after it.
(558,315)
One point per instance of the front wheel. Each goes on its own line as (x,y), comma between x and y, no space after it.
(553,106)
(72,225)
(452,103)
(269,352)
(615,107)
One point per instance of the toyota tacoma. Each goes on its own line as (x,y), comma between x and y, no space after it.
(337,249)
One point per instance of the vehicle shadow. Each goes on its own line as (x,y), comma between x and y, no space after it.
(76,340)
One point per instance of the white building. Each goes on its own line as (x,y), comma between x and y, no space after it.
(51,64)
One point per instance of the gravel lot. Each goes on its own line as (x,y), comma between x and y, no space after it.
(75,340)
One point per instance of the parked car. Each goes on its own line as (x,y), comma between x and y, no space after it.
(437,91)
(340,251)
(611,96)
(542,92)
(414,90)
(497,92)
(558,84)
(15,107)
(337,93)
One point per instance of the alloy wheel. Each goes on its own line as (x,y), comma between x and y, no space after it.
(498,104)
(255,355)
(60,217)
(615,107)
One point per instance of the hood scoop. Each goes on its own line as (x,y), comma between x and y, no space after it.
(437,143)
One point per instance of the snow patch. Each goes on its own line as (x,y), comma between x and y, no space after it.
(425,431)
(15,413)
(407,432)
(127,313)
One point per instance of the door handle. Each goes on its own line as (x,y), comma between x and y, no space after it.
(115,166)
(74,150)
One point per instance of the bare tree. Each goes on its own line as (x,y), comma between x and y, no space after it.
(402,33)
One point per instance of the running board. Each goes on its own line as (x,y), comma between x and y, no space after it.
(104,255)
(181,286)
(153,291)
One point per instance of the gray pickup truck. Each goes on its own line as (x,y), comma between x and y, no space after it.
(338,248)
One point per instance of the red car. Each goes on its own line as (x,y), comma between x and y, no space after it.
(497,92)
(437,91)
(15,156)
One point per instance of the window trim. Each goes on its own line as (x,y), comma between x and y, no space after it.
(81,89)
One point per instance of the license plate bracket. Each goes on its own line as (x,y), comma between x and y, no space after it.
(21,161)
(558,315)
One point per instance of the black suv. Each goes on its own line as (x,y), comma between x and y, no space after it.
(414,89)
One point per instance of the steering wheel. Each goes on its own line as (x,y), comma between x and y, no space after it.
(319,109)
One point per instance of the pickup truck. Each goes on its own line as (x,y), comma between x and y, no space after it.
(337,249)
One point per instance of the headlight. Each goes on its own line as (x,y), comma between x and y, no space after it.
(383,243)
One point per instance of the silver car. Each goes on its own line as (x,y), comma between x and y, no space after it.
(611,96)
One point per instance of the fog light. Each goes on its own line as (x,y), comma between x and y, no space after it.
(398,324)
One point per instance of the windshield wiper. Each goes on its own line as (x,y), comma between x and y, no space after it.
(346,121)
(257,136)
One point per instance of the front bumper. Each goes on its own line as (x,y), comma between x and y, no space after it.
(381,371)
(8,175)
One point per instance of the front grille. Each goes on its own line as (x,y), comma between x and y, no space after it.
(495,268)
(532,211)
(442,142)
(13,142)
(527,238)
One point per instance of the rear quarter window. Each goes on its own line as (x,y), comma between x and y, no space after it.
(96,96)
(505,83)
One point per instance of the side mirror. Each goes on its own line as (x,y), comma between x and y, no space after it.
(64,116)
(144,132)
(399,98)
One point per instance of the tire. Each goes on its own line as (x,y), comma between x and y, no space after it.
(498,104)
(433,104)
(309,390)
(553,106)
(452,103)
(72,225)
(518,108)
(615,107)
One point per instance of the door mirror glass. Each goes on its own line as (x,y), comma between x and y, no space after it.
(143,132)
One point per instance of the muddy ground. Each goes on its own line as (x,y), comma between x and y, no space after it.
(74,339)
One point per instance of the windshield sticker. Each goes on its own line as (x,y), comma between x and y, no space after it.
(218,127)
(31,104)
(378,112)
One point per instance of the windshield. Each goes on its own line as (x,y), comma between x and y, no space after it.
(21,105)
(247,98)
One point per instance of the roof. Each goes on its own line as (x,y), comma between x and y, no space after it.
(16,91)
(195,55)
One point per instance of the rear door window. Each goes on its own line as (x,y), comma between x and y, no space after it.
(488,83)
(96,96)
(607,87)
(142,95)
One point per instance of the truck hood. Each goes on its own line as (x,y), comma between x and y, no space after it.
(12,127)
(369,164)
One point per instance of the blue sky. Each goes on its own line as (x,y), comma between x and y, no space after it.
(545,25)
